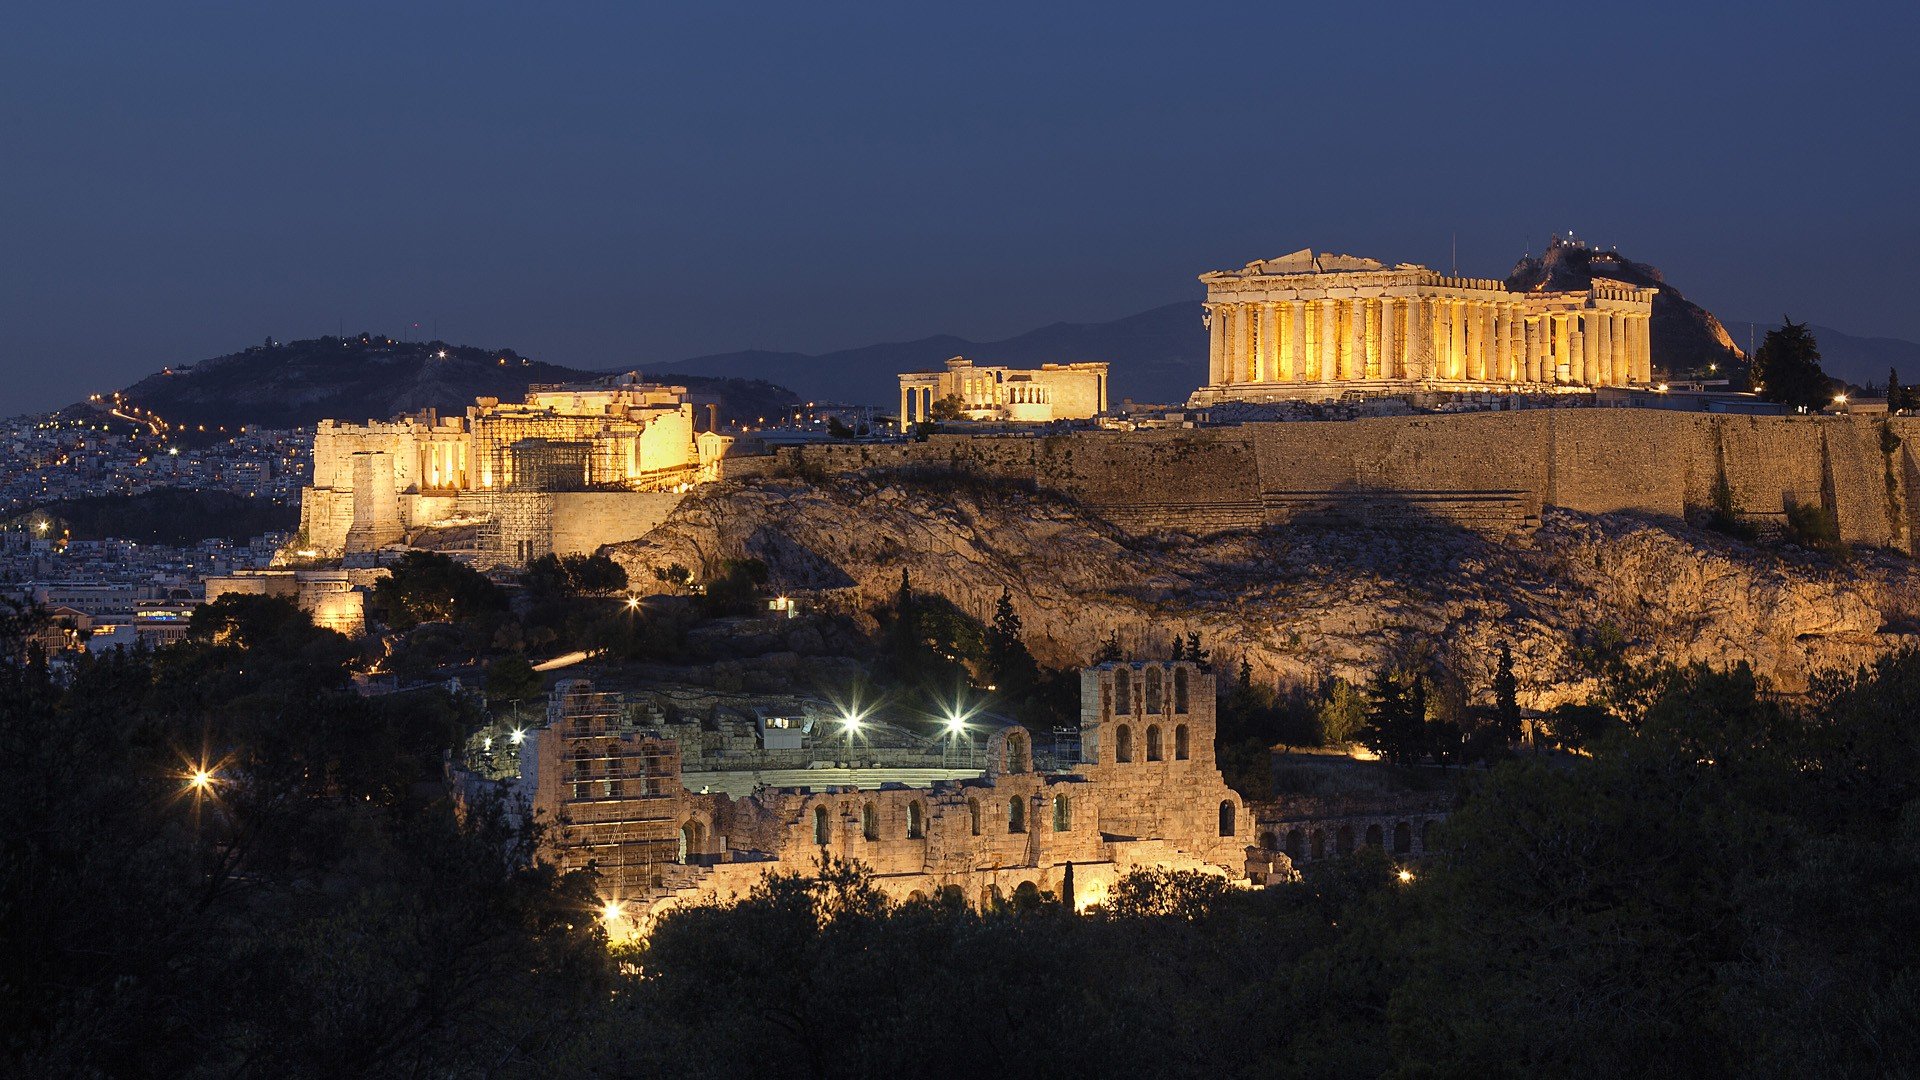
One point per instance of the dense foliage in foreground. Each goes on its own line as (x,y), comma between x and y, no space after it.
(1727,886)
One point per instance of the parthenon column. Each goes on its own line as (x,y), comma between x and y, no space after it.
(1577,351)
(1357,338)
(1328,324)
(1216,346)
(1502,344)
(1617,348)
(1297,338)
(1269,344)
(1643,341)
(1531,328)
(1476,341)
(1419,363)
(1459,314)
(1602,341)
(1390,366)
(1441,322)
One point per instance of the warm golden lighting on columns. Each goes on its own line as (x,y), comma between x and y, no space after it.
(1216,346)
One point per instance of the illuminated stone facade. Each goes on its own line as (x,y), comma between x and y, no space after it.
(376,483)
(1313,326)
(989,392)
(1147,793)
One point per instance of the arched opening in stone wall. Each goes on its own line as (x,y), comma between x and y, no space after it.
(1343,840)
(1153,742)
(1123,743)
(1319,844)
(1402,838)
(822,834)
(693,838)
(1062,813)
(1019,755)
(1153,690)
(870,822)
(1016,815)
(1296,845)
(952,897)
(1269,842)
(916,897)
(1123,691)
(1373,836)
(1180,690)
(973,815)
(1180,749)
(916,821)
(1226,817)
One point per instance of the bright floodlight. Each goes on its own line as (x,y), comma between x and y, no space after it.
(611,910)
(851,721)
(519,736)
(1406,877)
(956,723)
(200,780)
(633,603)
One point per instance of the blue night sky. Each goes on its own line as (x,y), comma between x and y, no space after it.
(630,184)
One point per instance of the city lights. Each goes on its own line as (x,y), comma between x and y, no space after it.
(1405,876)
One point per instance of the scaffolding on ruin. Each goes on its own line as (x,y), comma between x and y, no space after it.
(619,793)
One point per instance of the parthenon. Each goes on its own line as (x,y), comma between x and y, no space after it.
(1314,326)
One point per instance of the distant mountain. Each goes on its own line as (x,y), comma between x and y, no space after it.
(1858,360)
(296,383)
(1158,355)
(1685,336)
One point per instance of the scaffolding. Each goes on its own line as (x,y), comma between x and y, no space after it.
(619,803)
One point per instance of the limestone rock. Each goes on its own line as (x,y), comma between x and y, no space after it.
(1301,604)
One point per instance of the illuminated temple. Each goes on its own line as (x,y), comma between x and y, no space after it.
(1311,326)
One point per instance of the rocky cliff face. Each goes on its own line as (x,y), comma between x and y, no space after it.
(1301,604)
(1685,336)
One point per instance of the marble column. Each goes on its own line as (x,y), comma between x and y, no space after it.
(1269,344)
(1577,350)
(1390,366)
(1216,345)
(1328,324)
(1460,314)
(1297,339)
(1419,338)
(1476,341)
(1531,329)
(1502,344)
(1643,341)
(1442,322)
(1357,338)
(903,408)
(1617,349)
(1603,348)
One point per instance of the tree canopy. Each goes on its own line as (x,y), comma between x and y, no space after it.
(1786,368)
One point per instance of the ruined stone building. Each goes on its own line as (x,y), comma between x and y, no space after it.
(1147,793)
(523,478)
(1311,326)
(1075,391)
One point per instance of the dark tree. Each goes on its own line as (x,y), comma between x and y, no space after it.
(1396,718)
(1896,394)
(1110,651)
(1009,663)
(1786,368)
(1506,698)
(426,586)
(1197,654)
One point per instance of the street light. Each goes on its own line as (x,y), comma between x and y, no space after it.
(200,780)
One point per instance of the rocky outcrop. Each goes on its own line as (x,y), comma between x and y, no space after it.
(1684,335)
(1299,603)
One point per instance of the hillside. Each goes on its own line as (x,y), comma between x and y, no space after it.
(296,383)
(1853,359)
(171,516)
(1304,603)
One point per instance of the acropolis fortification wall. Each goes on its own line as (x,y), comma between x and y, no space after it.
(1491,470)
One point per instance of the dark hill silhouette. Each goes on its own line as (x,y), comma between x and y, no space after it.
(296,383)
(1685,335)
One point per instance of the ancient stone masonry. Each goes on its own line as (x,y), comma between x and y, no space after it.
(1313,326)
(988,392)
(505,469)
(1146,794)
(1491,471)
